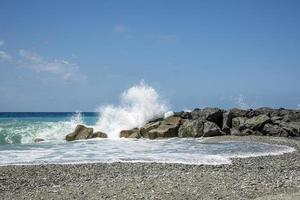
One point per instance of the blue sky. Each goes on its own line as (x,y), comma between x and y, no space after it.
(77,55)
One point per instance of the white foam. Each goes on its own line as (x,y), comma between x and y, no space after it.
(138,104)
(175,150)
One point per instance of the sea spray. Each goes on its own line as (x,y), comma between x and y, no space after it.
(138,104)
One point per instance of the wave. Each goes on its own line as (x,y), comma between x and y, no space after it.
(26,131)
(138,105)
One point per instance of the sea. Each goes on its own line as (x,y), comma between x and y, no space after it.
(19,130)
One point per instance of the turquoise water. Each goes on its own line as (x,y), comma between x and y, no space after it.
(18,131)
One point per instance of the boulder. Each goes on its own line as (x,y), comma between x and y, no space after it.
(37,140)
(274,130)
(183,115)
(227,122)
(236,112)
(144,131)
(211,129)
(292,128)
(257,123)
(133,133)
(191,128)
(239,122)
(167,128)
(81,132)
(98,134)
(237,132)
(210,114)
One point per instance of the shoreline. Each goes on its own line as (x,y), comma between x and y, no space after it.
(263,177)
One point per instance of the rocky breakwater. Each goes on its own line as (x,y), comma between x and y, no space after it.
(209,122)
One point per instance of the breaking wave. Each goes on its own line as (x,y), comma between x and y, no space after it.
(138,104)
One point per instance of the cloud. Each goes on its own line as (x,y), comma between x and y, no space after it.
(61,68)
(298,107)
(4,56)
(1,42)
(120,28)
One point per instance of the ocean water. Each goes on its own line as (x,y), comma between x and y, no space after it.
(19,130)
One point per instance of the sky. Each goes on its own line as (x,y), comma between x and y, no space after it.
(60,55)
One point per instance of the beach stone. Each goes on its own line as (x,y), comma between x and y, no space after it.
(210,114)
(191,128)
(99,134)
(167,128)
(133,133)
(81,132)
(257,122)
(37,140)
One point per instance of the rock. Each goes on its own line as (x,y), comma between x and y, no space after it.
(37,140)
(238,122)
(99,134)
(81,132)
(211,129)
(292,128)
(167,128)
(260,111)
(247,132)
(191,128)
(257,123)
(144,131)
(183,115)
(133,133)
(227,122)
(237,132)
(274,130)
(210,114)
(236,112)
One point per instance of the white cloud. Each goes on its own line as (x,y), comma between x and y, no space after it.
(120,28)
(1,42)
(4,56)
(61,68)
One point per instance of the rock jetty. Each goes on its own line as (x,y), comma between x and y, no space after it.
(209,122)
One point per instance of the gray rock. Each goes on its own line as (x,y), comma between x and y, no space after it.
(227,122)
(99,134)
(191,128)
(37,140)
(274,130)
(236,112)
(210,114)
(211,129)
(81,132)
(183,115)
(237,132)
(292,128)
(167,128)
(239,122)
(133,133)
(257,122)
(144,131)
